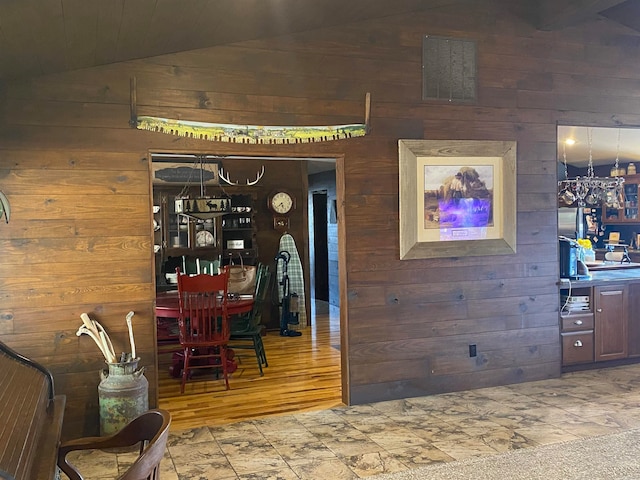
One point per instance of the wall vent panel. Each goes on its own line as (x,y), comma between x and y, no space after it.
(448,69)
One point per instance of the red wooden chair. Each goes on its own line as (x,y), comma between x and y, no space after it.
(203,322)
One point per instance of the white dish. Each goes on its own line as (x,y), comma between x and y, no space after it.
(204,238)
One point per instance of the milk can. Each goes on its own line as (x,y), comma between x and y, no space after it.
(123,395)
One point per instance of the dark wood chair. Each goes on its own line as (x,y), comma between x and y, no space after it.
(149,430)
(246,330)
(203,322)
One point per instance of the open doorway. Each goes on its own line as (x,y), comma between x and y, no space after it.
(320,247)
(323,236)
(313,380)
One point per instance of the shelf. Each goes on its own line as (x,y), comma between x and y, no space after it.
(628,213)
(233,253)
(240,227)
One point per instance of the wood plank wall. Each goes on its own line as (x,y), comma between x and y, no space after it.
(80,238)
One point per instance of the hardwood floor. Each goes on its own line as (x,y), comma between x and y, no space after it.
(303,375)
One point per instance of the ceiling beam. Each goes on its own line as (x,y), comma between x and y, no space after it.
(557,14)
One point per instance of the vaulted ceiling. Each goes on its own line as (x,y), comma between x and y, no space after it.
(46,36)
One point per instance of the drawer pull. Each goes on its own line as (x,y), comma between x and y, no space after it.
(599,310)
(577,343)
(578,322)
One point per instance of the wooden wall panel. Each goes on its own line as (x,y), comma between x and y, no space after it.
(78,241)
(78,179)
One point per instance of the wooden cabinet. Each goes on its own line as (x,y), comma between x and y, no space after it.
(577,326)
(239,229)
(606,329)
(183,241)
(577,347)
(611,321)
(633,314)
(178,234)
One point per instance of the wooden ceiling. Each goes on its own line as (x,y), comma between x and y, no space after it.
(46,36)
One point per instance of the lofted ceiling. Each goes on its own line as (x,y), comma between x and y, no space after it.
(39,37)
(46,36)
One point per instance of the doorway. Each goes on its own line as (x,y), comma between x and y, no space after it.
(323,234)
(287,383)
(320,264)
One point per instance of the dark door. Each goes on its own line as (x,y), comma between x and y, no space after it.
(320,246)
(610,322)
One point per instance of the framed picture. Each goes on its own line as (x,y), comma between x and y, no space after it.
(457,198)
(185,172)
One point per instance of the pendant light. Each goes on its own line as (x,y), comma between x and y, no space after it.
(202,207)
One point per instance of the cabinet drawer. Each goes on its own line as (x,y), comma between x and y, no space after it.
(577,321)
(577,347)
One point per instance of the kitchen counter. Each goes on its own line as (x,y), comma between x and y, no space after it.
(600,265)
(605,276)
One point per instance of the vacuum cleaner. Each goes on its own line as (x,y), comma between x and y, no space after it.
(289,313)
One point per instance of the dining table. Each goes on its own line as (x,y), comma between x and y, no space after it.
(168,311)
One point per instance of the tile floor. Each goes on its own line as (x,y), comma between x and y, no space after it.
(361,441)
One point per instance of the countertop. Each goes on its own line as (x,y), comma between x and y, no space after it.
(599,265)
(600,277)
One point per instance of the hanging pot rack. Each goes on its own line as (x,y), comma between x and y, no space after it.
(590,190)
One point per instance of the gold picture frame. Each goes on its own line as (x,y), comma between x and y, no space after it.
(457,198)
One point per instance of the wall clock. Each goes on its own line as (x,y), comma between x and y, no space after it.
(281,202)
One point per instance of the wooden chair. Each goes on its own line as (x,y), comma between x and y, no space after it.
(203,322)
(150,430)
(246,330)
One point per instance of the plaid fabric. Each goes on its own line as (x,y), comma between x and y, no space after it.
(296,278)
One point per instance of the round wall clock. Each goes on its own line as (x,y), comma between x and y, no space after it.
(281,202)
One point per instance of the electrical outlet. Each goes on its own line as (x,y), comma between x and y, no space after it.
(473,351)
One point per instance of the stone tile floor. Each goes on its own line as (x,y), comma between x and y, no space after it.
(365,440)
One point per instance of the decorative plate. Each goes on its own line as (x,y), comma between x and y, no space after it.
(204,238)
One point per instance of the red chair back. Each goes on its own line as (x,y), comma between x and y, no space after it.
(203,317)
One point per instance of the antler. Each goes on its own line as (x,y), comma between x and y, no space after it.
(226,179)
(5,207)
(259,176)
(249,182)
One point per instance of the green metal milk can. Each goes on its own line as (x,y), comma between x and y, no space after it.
(123,393)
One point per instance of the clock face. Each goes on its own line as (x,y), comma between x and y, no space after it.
(281,203)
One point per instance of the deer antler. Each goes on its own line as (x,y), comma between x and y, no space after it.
(5,208)
(226,179)
(258,177)
(249,182)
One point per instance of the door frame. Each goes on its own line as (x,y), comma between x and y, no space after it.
(342,242)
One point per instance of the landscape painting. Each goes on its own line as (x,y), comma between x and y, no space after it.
(458,200)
